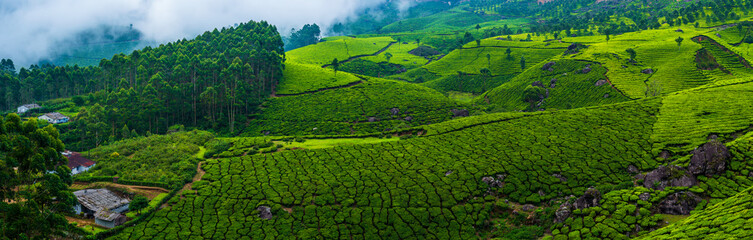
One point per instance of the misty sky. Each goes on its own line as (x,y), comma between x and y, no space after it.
(31,29)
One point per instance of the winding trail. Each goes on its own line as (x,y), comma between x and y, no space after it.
(199,174)
(366,55)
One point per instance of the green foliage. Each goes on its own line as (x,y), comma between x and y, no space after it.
(373,69)
(34,191)
(620,215)
(138,203)
(342,48)
(363,108)
(566,87)
(299,78)
(728,219)
(159,158)
(307,35)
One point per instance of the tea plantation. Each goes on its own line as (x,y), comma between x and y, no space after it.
(445,184)
(375,105)
(729,219)
(476,119)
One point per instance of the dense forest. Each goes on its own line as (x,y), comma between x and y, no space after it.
(212,82)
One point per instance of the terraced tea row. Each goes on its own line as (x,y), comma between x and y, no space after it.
(416,188)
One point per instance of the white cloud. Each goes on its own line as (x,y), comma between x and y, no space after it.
(31,29)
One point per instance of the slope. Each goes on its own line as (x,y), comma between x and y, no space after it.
(569,84)
(374,105)
(729,219)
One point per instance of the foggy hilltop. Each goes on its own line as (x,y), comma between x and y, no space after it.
(35,30)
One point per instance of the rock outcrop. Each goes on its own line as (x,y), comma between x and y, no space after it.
(709,159)
(680,203)
(668,176)
(265,212)
(564,212)
(548,66)
(589,199)
(460,113)
(494,181)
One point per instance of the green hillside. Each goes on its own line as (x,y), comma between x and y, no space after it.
(518,119)
(729,219)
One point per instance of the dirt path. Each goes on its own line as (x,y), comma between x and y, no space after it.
(199,174)
(367,55)
(320,90)
(149,192)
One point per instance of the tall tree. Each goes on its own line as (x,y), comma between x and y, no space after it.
(335,65)
(388,56)
(486,74)
(34,188)
(632,53)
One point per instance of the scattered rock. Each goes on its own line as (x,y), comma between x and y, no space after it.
(528,207)
(645,196)
(560,177)
(448,173)
(712,137)
(648,71)
(265,212)
(548,66)
(750,175)
(633,169)
(572,47)
(395,111)
(494,182)
(709,159)
(589,199)
(537,84)
(372,119)
(601,83)
(564,212)
(408,119)
(718,35)
(553,85)
(460,113)
(606,95)
(679,30)
(266,133)
(541,193)
(623,66)
(668,176)
(587,69)
(665,154)
(680,203)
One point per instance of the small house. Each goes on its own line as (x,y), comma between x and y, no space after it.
(54,118)
(25,108)
(106,206)
(109,219)
(78,163)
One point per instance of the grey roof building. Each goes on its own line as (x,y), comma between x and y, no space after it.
(105,205)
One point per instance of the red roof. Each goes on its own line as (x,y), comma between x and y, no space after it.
(75,160)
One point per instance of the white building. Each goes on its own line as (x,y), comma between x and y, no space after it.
(78,163)
(25,108)
(54,118)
